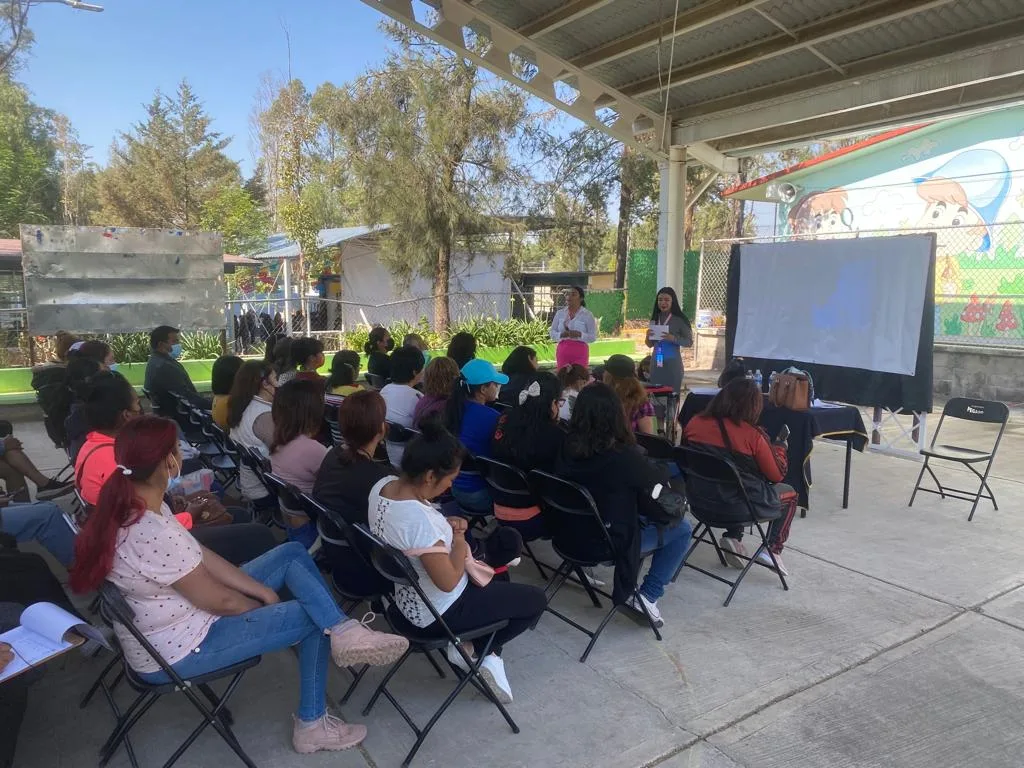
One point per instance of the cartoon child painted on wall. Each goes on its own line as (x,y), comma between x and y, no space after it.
(962,198)
(822,214)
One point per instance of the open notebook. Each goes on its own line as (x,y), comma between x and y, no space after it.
(46,631)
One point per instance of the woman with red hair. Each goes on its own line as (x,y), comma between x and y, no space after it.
(199,611)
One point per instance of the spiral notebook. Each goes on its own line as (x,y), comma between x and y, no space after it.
(46,630)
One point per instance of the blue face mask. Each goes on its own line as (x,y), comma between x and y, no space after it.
(176,351)
(112,367)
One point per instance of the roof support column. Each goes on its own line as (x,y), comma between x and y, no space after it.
(672,215)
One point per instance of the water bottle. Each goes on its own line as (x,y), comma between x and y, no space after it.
(758,379)
(659,357)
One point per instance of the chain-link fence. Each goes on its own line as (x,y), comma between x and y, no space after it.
(979,281)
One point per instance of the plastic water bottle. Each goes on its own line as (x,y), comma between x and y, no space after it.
(659,357)
(758,379)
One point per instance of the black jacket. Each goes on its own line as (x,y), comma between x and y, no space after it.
(621,481)
(164,375)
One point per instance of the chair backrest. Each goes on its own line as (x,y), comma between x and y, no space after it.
(115,608)
(288,496)
(396,568)
(714,488)
(509,482)
(398,433)
(657,447)
(572,518)
(376,381)
(969,409)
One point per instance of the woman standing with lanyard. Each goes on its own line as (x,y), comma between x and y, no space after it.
(669,331)
(574,328)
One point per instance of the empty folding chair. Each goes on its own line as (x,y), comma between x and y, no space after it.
(965,409)
(580,537)
(213,709)
(718,499)
(395,567)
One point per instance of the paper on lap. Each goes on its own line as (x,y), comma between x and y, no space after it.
(41,636)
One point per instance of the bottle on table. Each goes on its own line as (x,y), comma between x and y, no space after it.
(758,379)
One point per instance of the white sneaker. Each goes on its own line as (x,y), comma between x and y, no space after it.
(492,668)
(456,658)
(591,578)
(650,605)
(765,558)
(513,563)
(731,548)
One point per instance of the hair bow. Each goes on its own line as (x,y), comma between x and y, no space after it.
(531,391)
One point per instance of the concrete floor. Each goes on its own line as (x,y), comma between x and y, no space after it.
(900,644)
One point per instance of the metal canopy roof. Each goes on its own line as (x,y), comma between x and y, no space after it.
(738,77)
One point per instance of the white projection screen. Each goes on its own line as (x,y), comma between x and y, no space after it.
(855,303)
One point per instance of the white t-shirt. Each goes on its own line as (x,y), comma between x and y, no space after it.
(400,400)
(409,525)
(149,557)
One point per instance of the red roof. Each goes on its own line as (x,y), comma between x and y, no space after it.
(825,158)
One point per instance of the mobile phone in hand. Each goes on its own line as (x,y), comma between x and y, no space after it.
(783,435)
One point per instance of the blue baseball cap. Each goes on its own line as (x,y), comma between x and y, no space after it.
(477,372)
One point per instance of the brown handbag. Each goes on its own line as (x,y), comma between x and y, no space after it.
(791,390)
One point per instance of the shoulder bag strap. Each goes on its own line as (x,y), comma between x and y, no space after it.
(81,467)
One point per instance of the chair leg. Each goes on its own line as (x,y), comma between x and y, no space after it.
(99,681)
(213,717)
(132,716)
(746,568)
(558,578)
(536,562)
(383,683)
(587,586)
(225,716)
(357,676)
(437,667)
(984,487)
(918,483)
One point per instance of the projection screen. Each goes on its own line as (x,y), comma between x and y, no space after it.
(855,303)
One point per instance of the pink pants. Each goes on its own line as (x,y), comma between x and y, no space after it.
(572,352)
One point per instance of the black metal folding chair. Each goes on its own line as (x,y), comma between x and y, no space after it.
(289,499)
(964,409)
(711,478)
(656,446)
(579,536)
(214,709)
(395,567)
(376,381)
(511,483)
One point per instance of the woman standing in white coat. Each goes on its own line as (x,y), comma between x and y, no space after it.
(574,328)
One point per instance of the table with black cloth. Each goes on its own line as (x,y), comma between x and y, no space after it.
(842,423)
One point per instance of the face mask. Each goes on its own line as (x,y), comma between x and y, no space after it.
(174,482)
(112,367)
(176,351)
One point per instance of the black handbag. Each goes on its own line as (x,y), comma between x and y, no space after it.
(668,510)
(762,494)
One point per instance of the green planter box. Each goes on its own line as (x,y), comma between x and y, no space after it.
(16,383)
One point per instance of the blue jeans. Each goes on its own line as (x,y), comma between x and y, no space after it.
(300,621)
(40,521)
(666,559)
(478,501)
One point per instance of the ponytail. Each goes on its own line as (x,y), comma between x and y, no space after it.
(456,406)
(139,450)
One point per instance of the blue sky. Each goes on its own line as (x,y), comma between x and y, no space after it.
(100,68)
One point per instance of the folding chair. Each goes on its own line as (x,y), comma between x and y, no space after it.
(965,409)
(253,460)
(656,446)
(580,538)
(376,381)
(214,709)
(718,499)
(395,567)
(510,482)
(289,499)
(331,417)
(477,518)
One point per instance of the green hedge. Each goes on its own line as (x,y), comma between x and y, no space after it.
(607,307)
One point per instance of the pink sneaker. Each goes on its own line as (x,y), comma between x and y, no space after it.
(354,643)
(328,734)
(731,548)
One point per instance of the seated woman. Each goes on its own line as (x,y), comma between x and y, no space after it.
(308,358)
(377,347)
(730,423)
(401,515)
(620,375)
(222,378)
(96,350)
(439,377)
(251,425)
(67,411)
(528,437)
(519,366)
(734,369)
(344,373)
(469,416)
(343,483)
(600,454)
(462,348)
(110,406)
(202,613)
(282,360)
(572,379)
(401,394)
(295,453)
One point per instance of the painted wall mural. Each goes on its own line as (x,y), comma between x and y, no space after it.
(963,180)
